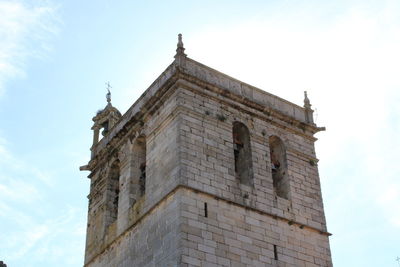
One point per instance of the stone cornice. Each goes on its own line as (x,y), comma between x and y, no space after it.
(243,89)
(264,113)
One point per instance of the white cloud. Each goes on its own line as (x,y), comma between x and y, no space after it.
(24,33)
(49,240)
(36,229)
(20,181)
(18,190)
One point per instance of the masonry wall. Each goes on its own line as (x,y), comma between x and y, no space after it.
(232,235)
(163,163)
(153,241)
(208,159)
(162,176)
(190,158)
(177,232)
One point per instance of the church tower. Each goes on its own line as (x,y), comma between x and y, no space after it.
(205,170)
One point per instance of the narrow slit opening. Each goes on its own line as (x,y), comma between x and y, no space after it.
(205,210)
(275,253)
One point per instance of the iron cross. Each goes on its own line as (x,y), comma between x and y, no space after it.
(108,86)
(108,95)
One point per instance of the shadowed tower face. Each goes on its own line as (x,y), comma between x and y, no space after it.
(205,170)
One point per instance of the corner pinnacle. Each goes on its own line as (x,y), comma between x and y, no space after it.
(307,104)
(308,112)
(180,50)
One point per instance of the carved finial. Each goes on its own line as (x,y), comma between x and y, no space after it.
(308,111)
(108,95)
(180,43)
(180,50)
(307,104)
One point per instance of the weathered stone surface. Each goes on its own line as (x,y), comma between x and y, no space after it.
(180,202)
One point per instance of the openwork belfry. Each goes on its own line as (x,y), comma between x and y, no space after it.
(205,170)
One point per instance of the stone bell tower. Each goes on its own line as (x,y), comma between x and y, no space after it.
(205,170)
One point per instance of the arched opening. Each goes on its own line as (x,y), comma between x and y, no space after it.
(104,125)
(140,163)
(242,153)
(114,175)
(279,167)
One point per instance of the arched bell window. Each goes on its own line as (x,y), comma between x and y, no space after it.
(279,167)
(113,191)
(242,153)
(139,152)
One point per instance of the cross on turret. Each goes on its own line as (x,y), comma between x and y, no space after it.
(108,95)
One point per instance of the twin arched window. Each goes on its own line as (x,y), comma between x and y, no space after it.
(137,185)
(243,160)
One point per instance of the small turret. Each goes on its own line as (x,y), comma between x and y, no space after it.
(105,119)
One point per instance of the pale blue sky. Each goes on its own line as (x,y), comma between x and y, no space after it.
(55,57)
